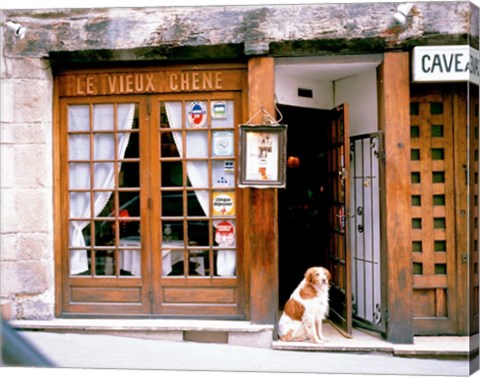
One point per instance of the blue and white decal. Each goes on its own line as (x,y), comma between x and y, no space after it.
(197,114)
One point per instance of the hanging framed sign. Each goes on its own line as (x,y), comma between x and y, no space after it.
(263,150)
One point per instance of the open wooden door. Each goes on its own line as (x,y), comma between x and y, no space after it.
(338,155)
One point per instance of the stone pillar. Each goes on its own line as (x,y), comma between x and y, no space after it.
(26,191)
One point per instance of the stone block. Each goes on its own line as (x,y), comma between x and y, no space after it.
(6,103)
(25,278)
(27,68)
(26,247)
(34,246)
(173,335)
(26,210)
(8,247)
(259,339)
(26,133)
(31,100)
(24,165)
(34,309)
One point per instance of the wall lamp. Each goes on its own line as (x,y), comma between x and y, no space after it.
(18,30)
(402,12)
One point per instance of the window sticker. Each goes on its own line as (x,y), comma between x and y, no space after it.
(224,233)
(223,143)
(219,110)
(223,203)
(229,166)
(197,114)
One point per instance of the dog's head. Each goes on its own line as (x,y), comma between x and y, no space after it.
(318,276)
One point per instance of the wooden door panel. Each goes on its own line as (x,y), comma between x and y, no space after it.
(338,155)
(196,267)
(433,213)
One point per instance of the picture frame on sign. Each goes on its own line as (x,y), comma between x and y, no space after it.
(263,150)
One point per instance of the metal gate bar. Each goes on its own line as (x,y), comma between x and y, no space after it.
(365,232)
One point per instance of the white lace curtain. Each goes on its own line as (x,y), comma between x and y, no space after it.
(104,148)
(197,171)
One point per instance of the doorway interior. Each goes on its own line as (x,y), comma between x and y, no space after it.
(303,213)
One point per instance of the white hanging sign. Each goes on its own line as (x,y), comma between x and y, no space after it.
(446,64)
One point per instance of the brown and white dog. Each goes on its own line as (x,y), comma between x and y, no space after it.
(307,308)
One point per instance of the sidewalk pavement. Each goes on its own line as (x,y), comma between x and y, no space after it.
(119,353)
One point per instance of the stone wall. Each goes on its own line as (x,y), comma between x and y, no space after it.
(26,223)
(123,34)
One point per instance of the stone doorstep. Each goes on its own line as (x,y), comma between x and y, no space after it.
(231,332)
(395,350)
(244,333)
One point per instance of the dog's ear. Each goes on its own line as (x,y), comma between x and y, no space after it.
(309,275)
(329,275)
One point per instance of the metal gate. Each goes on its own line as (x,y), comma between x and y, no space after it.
(368,287)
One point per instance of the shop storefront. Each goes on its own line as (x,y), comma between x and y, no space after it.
(146,211)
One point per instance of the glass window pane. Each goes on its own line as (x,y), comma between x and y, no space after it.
(440,246)
(440,269)
(438,177)
(77,267)
(103,147)
(417,223)
(103,117)
(196,262)
(80,205)
(79,118)
(103,177)
(130,256)
(225,263)
(173,254)
(172,231)
(437,130)
(104,262)
(415,177)
(172,174)
(169,142)
(436,108)
(414,108)
(79,176)
(414,132)
(438,154)
(415,154)
(129,141)
(223,203)
(224,233)
(196,112)
(194,206)
(197,144)
(417,268)
(104,233)
(417,246)
(172,203)
(222,143)
(129,202)
(416,200)
(198,232)
(129,175)
(223,174)
(222,113)
(79,147)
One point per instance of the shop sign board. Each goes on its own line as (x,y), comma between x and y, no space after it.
(446,64)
